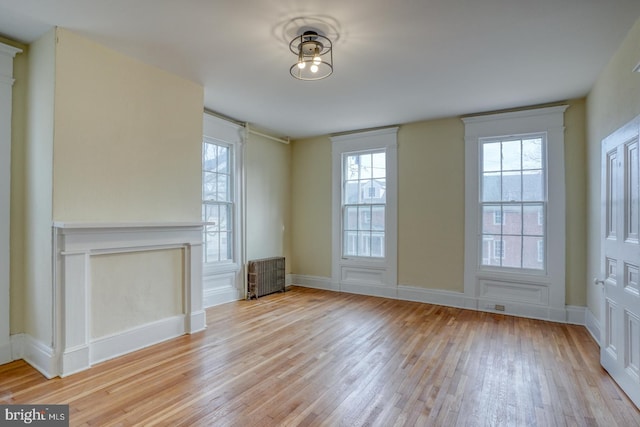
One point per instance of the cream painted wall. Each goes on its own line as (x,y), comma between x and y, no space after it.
(17,239)
(268,165)
(128,141)
(311,208)
(576,201)
(430,204)
(105,138)
(38,169)
(613,101)
(134,289)
(127,138)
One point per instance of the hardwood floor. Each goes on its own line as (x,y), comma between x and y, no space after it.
(318,358)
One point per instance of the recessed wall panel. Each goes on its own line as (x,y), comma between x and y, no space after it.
(134,288)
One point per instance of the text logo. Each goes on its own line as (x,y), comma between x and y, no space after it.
(34,415)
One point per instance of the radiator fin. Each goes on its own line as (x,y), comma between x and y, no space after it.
(265,276)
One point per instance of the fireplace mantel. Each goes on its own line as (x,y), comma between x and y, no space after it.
(76,246)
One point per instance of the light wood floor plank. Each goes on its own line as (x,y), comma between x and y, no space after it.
(318,358)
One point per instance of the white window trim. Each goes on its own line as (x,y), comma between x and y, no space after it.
(371,276)
(523,293)
(224,281)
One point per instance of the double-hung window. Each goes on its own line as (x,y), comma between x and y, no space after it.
(217,200)
(222,195)
(364,203)
(515,212)
(364,222)
(513,200)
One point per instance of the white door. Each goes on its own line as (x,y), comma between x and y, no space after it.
(620,346)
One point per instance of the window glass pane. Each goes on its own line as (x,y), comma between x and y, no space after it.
(364,240)
(377,218)
(491,187)
(223,188)
(351,167)
(351,243)
(209,183)
(491,156)
(532,153)
(211,215)
(532,185)
(212,244)
(209,157)
(223,159)
(486,250)
(381,190)
(512,251)
(364,191)
(351,192)
(534,220)
(364,218)
(491,219)
(511,156)
(225,246)
(379,165)
(366,172)
(511,186)
(512,219)
(531,257)
(377,244)
(224,218)
(492,250)
(350,218)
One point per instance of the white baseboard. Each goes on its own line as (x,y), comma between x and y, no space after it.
(79,358)
(432,296)
(213,297)
(577,315)
(593,326)
(315,282)
(196,322)
(36,354)
(371,290)
(570,314)
(74,359)
(115,345)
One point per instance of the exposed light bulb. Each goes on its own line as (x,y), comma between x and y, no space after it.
(316,56)
(301,65)
(314,68)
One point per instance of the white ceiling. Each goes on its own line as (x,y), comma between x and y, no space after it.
(395,61)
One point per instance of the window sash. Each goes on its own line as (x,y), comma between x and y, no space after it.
(511,212)
(363,210)
(218,206)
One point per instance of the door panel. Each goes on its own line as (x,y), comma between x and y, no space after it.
(620,351)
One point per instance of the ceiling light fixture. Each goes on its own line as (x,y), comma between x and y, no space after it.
(314,54)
